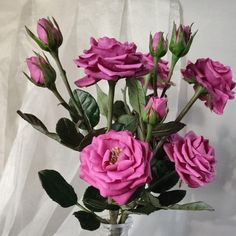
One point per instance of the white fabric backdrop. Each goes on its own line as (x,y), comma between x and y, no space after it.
(25,209)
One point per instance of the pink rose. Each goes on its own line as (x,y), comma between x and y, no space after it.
(110,59)
(155,40)
(159,45)
(155,110)
(41,72)
(116,164)
(181,40)
(215,78)
(194,158)
(186,29)
(46,30)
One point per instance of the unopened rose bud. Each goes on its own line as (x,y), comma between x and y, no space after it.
(155,110)
(158,45)
(41,72)
(181,40)
(49,34)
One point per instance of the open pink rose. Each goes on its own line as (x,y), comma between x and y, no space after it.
(194,158)
(45,28)
(110,59)
(215,78)
(116,164)
(155,110)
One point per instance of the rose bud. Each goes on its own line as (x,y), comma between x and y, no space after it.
(181,40)
(41,72)
(158,45)
(155,110)
(49,35)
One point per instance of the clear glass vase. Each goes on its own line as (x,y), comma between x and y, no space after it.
(116,230)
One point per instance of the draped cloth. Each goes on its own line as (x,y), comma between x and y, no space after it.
(25,209)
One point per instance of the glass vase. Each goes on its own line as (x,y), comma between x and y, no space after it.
(116,230)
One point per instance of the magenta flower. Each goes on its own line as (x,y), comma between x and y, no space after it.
(215,78)
(41,72)
(194,158)
(155,110)
(110,59)
(116,164)
(48,33)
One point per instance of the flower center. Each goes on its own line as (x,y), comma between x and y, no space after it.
(115,152)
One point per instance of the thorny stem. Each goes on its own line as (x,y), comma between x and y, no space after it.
(199,90)
(174,60)
(156,59)
(76,104)
(111,94)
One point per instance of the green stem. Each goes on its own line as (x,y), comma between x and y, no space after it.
(125,100)
(140,133)
(98,217)
(113,214)
(146,83)
(149,132)
(156,60)
(111,94)
(124,216)
(76,104)
(198,92)
(174,60)
(60,98)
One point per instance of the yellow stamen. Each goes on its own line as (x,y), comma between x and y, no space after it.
(115,152)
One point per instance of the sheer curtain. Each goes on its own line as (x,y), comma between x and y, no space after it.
(25,209)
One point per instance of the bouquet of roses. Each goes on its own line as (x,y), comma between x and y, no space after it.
(134,161)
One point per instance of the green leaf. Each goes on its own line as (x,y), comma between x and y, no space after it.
(193,206)
(166,129)
(130,122)
(88,221)
(38,125)
(57,188)
(171,197)
(102,100)
(89,105)
(136,95)
(153,200)
(93,200)
(118,109)
(117,126)
(164,176)
(66,130)
(137,194)
(147,204)
(89,137)
(37,40)
(144,210)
